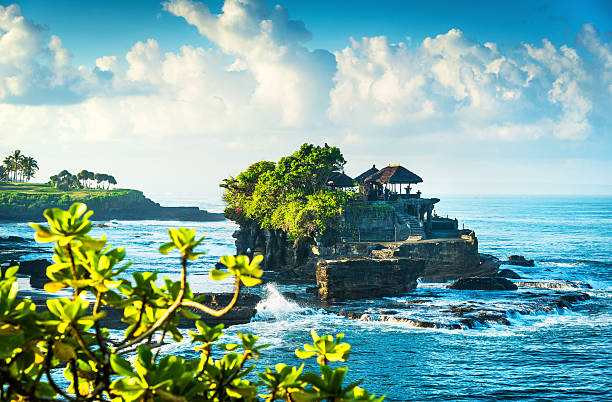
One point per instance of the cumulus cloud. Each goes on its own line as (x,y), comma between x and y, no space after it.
(260,77)
(528,93)
(289,78)
(34,70)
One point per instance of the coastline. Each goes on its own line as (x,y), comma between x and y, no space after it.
(25,203)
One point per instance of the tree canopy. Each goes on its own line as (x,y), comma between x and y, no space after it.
(65,180)
(290,195)
(18,168)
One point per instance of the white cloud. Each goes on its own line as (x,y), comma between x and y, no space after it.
(32,69)
(290,79)
(540,91)
(260,78)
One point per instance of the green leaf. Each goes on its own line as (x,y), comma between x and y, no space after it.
(121,366)
(53,287)
(217,275)
(303,354)
(11,271)
(166,248)
(250,281)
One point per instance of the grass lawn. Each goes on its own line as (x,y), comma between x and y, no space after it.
(43,188)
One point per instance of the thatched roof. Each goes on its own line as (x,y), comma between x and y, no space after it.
(339,179)
(394,174)
(364,175)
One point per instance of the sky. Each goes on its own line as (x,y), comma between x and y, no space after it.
(476,97)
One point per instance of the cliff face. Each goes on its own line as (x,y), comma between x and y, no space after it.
(446,259)
(355,278)
(279,254)
(123,204)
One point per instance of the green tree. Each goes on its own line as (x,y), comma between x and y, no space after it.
(83,177)
(111,180)
(289,195)
(99,178)
(68,334)
(17,158)
(9,166)
(3,173)
(30,167)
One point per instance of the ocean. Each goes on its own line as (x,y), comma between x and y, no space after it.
(563,353)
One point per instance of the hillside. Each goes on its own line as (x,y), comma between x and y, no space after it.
(27,201)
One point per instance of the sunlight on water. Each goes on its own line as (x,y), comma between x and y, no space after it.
(555,354)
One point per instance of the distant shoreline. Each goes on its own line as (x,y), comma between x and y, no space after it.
(24,202)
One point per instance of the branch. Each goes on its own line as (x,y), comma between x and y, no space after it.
(167,314)
(210,311)
(73,270)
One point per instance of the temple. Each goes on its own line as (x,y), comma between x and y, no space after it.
(389,209)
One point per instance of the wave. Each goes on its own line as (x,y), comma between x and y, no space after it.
(274,306)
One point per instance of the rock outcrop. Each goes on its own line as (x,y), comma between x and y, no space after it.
(482,283)
(34,267)
(242,313)
(508,273)
(470,314)
(365,277)
(295,258)
(448,259)
(519,260)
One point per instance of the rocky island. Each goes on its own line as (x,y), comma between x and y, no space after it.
(363,237)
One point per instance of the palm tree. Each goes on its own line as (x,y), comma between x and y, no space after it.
(30,166)
(10,166)
(17,161)
(3,173)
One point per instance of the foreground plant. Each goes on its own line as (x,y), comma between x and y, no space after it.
(68,336)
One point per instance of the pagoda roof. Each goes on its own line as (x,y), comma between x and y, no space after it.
(394,174)
(364,175)
(339,179)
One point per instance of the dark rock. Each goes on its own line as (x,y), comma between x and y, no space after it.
(519,260)
(356,278)
(482,283)
(290,295)
(351,315)
(13,239)
(449,259)
(38,281)
(34,268)
(508,273)
(312,289)
(415,301)
(241,313)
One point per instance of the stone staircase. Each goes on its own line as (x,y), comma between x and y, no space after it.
(408,226)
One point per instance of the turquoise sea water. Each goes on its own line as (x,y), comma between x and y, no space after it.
(563,354)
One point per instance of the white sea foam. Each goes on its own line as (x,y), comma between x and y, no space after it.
(276,307)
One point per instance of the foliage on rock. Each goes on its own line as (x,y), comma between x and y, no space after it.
(67,336)
(290,195)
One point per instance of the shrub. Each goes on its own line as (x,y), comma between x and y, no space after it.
(290,195)
(68,334)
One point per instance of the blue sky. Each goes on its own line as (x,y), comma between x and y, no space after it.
(91,28)
(476,97)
